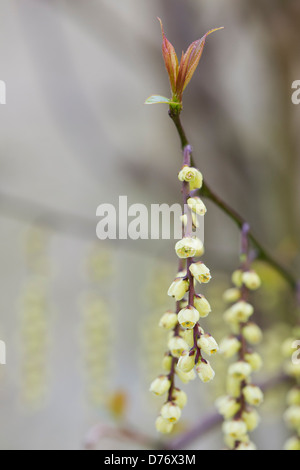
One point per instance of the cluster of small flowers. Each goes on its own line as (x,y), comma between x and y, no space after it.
(187,340)
(35,319)
(34,341)
(292,414)
(96,331)
(96,342)
(99,266)
(238,407)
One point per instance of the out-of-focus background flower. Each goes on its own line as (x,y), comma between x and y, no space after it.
(79,316)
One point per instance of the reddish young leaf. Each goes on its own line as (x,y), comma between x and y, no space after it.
(189,63)
(170,58)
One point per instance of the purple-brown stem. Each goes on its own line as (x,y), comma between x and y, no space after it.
(174,360)
(185,191)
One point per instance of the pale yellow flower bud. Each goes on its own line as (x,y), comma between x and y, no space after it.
(186,248)
(246,446)
(292,417)
(239,312)
(251,280)
(237,278)
(235,429)
(252,334)
(197,183)
(171,335)
(292,369)
(160,386)
(188,317)
(186,173)
(255,361)
(184,220)
(231,442)
(183,304)
(163,426)
(182,273)
(177,345)
(227,407)
(200,272)
(191,175)
(205,372)
(199,247)
(233,386)
(167,362)
(186,361)
(292,444)
(188,336)
(287,347)
(171,412)
(197,205)
(202,305)
(235,328)
(168,320)
(293,397)
(195,220)
(232,295)
(229,347)
(179,397)
(253,395)
(240,370)
(186,377)
(178,288)
(208,344)
(252,419)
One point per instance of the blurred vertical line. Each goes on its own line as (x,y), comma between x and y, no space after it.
(283,23)
(96,20)
(105,25)
(63,92)
(83,130)
(35,329)
(97,332)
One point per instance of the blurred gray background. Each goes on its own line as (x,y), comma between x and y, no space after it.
(74,134)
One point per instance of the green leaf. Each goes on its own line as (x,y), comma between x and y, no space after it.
(156,99)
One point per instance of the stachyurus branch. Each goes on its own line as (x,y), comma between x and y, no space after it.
(213,420)
(205,425)
(207,193)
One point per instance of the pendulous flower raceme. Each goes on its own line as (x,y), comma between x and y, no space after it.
(238,407)
(187,341)
(292,369)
